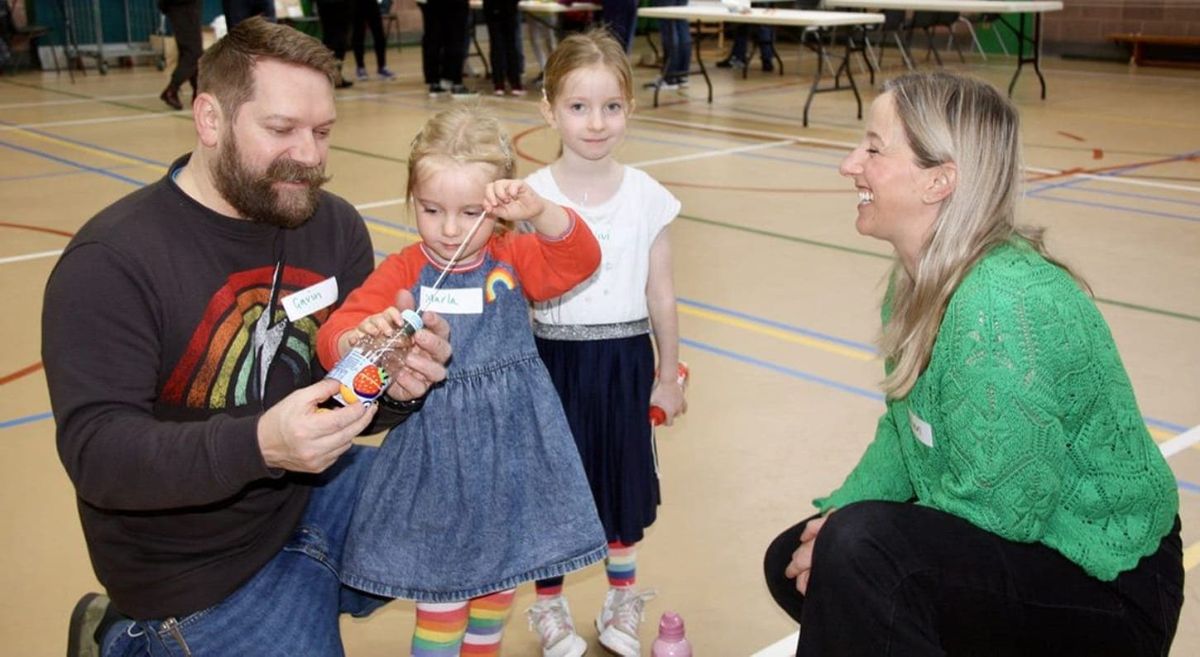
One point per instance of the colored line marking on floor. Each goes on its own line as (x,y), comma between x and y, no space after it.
(31,256)
(1042,196)
(714,153)
(1050,173)
(119,157)
(388,228)
(1191,556)
(91,121)
(380,204)
(785,332)
(184,115)
(62,160)
(74,101)
(1181,442)
(28,419)
(1125,180)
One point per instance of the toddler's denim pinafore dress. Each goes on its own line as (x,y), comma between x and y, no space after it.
(482,489)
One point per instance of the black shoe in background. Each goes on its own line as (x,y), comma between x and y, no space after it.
(170,96)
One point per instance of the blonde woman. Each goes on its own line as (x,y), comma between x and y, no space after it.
(1012,502)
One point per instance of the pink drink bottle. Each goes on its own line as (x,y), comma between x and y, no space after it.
(659,416)
(671,641)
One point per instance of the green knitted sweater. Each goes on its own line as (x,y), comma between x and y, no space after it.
(1024,423)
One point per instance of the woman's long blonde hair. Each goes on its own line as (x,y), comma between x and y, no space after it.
(952,118)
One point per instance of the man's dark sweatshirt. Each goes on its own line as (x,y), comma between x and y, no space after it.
(153,359)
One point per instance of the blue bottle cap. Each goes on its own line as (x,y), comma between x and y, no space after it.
(412,319)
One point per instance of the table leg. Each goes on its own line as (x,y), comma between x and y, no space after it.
(700,62)
(850,50)
(1036,43)
(1037,51)
(822,58)
(812,91)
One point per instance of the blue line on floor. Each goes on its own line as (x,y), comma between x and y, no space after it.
(1107,206)
(70,163)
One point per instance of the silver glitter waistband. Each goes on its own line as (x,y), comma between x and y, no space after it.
(581,332)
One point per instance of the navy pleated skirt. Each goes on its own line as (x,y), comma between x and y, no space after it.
(605,390)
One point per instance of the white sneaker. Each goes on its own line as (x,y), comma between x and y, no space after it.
(551,619)
(620,618)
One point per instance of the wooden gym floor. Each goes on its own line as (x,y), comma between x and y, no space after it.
(777,298)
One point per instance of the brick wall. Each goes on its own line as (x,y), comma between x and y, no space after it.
(410,18)
(1081,27)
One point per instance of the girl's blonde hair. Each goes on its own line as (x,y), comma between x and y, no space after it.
(464,134)
(596,46)
(952,118)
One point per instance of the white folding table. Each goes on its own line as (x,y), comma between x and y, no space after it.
(1035,7)
(787,17)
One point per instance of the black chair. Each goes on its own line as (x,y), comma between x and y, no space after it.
(892,25)
(927,22)
(14,38)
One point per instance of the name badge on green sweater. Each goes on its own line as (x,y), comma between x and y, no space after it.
(920,429)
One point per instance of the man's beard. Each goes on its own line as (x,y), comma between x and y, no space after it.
(255,196)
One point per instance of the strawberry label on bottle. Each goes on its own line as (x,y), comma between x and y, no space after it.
(362,381)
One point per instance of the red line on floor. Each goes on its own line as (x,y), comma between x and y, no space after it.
(1112,167)
(29,369)
(24,371)
(40,229)
(1071,136)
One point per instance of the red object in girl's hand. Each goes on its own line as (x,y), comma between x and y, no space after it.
(657,415)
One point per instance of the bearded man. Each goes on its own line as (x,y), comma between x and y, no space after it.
(179,334)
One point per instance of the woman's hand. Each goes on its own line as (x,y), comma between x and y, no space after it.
(800,567)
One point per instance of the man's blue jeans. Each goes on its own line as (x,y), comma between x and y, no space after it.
(290,607)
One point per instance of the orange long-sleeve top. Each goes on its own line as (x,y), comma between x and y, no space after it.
(545,267)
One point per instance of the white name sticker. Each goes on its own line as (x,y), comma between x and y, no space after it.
(920,429)
(457,301)
(311,299)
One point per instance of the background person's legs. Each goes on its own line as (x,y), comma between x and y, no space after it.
(185,24)
(237,11)
(366,15)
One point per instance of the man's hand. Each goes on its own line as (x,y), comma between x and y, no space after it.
(425,363)
(296,435)
(801,565)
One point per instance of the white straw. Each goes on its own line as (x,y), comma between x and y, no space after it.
(453,261)
(391,341)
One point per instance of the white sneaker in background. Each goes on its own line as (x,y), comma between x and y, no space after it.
(551,619)
(619,619)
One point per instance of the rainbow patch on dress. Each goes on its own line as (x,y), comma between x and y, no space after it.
(499,277)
